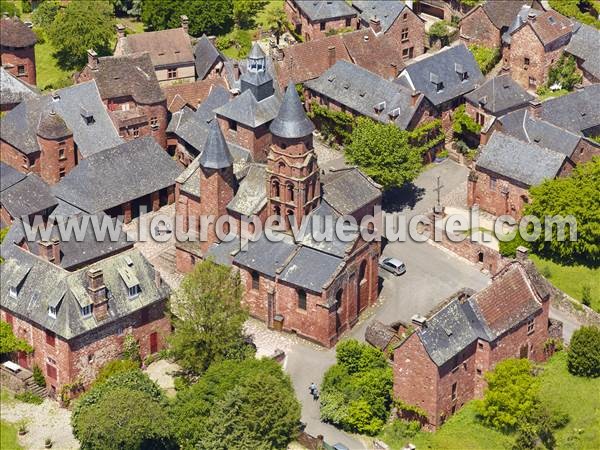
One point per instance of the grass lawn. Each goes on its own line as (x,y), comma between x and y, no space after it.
(49,75)
(8,436)
(578,397)
(570,279)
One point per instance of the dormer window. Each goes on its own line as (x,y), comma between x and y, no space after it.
(379,107)
(133,291)
(86,311)
(13,292)
(461,71)
(439,85)
(52,310)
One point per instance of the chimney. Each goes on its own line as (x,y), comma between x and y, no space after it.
(414,97)
(236,70)
(92,59)
(185,22)
(521,253)
(419,321)
(47,252)
(120,30)
(212,39)
(331,55)
(535,109)
(484,136)
(375,24)
(56,250)
(157,279)
(531,16)
(97,291)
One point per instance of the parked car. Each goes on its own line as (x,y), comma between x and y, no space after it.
(392,265)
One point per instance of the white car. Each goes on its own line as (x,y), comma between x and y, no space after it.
(392,265)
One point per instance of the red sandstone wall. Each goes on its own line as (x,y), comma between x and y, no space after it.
(17,57)
(416,33)
(476,28)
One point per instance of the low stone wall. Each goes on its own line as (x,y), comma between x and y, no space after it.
(11,381)
(565,303)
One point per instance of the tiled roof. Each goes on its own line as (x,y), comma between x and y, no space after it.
(166,47)
(379,335)
(585,45)
(117,175)
(215,154)
(121,76)
(443,67)
(291,121)
(251,196)
(206,56)
(13,90)
(527,163)
(245,109)
(23,195)
(311,269)
(266,256)
(377,54)
(502,13)
(577,112)
(347,190)
(190,94)
(14,33)
(550,26)
(387,11)
(319,10)
(499,94)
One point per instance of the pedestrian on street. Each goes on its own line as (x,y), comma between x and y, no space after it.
(312,388)
(315,394)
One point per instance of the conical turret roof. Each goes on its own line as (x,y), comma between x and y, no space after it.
(52,126)
(291,121)
(215,154)
(256,52)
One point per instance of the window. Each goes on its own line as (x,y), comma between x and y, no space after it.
(125,106)
(479,372)
(492,183)
(61,154)
(50,371)
(62,172)
(89,120)
(405,17)
(136,132)
(464,76)
(440,86)
(454,391)
(50,338)
(526,62)
(90,358)
(480,345)
(86,311)
(532,82)
(530,325)
(255,280)
(322,26)
(480,118)
(232,125)
(154,122)
(348,22)
(171,73)
(290,193)
(404,34)
(407,53)
(12,291)
(133,291)
(302,299)
(21,70)
(52,311)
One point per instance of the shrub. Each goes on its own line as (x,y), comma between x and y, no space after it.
(398,431)
(509,248)
(45,13)
(131,349)
(547,272)
(9,8)
(463,124)
(583,358)
(439,32)
(564,73)
(38,376)
(332,124)
(586,295)
(29,397)
(114,367)
(9,343)
(485,57)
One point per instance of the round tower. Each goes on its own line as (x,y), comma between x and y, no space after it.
(57,148)
(17,49)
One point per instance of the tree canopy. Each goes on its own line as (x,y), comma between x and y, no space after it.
(43,16)
(384,152)
(584,352)
(238,405)
(9,343)
(575,195)
(208,318)
(80,26)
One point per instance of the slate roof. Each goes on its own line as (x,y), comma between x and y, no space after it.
(13,90)
(502,13)
(206,56)
(361,90)
(18,127)
(246,110)
(291,121)
(52,126)
(577,112)
(321,10)
(548,25)
(521,18)
(215,154)
(166,47)
(14,33)
(42,284)
(122,76)
(499,94)
(251,196)
(443,67)
(224,252)
(509,299)
(190,94)
(387,11)
(585,45)
(254,255)
(23,195)
(523,126)
(349,189)
(527,163)
(117,175)
(379,335)
(311,269)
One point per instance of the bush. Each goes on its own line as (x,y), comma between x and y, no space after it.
(356,391)
(114,367)
(332,124)
(564,73)
(583,357)
(9,343)
(45,13)
(586,295)
(463,124)
(546,272)
(486,57)
(29,397)
(509,248)
(399,431)
(131,349)
(571,8)
(9,8)
(439,32)
(38,376)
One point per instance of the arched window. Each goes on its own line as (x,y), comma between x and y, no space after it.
(290,192)
(290,217)
(280,167)
(275,188)
(255,280)
(276,210)
(362,271)
(301,299)
(338,297)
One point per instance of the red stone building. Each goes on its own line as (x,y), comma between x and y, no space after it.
(534,45)
(17,49)
(440,366)
(131,93)
(312,288)
(315,19)
(75,303)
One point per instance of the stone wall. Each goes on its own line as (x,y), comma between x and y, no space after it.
(476,28)
(408,21)
(311,31)
(16,57)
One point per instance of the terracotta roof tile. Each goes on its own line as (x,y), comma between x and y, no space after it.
(376,54)
(550,26)
(191,94)
(14,33)
(166,47)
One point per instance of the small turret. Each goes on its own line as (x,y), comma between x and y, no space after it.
(215,154)
(291,121)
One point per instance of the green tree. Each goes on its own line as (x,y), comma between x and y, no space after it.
(275,19)
(43,16)
(131,349)
(575,195)
(238,405)
(439,31)
(205,16)
(124,418)
(127,7)
(583,358)
(565,73)
(208,318)
(9,8)
(244,11)
(9,343)
(384,152)
(485,57)
(462,123)
(80,26)
(114,367)
(356,391)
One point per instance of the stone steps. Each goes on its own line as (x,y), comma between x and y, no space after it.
(32,387)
